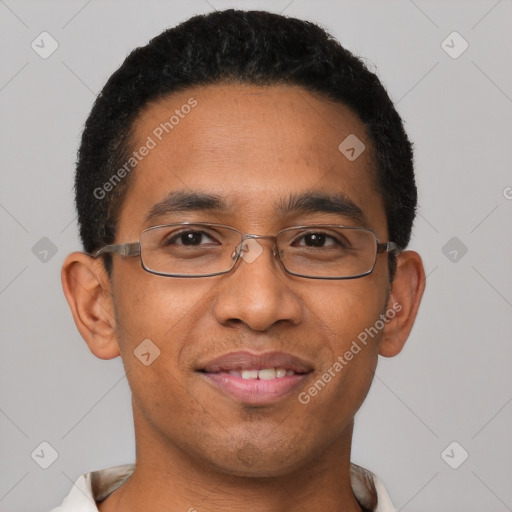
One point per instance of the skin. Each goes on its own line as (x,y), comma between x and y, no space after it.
(195,446)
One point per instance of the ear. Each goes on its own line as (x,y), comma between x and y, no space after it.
(87,289)
(403,303)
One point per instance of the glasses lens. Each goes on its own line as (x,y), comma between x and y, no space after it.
(328,251)
(189,249)
(208,249)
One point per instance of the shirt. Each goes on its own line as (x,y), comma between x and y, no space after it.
(94,487)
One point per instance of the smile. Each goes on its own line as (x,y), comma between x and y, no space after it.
(256,378)
(265,374)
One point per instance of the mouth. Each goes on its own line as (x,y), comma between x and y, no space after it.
(264,374)
(256,378)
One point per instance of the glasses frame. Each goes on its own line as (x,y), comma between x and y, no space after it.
(132,249)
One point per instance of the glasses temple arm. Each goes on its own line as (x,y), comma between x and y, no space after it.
(391,247)
(131,249)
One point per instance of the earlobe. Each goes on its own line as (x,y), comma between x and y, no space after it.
(403,303)
(87,290)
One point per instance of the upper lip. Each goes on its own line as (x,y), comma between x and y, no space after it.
(244,360)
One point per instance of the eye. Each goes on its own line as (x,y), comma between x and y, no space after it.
(188,238)
(316,239)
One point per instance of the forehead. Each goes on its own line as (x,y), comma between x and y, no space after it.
(251,145)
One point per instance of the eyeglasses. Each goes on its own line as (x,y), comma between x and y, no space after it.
(207,249)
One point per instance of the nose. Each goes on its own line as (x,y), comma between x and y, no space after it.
(257,292)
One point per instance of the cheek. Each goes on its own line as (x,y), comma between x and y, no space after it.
(155,316)
(347,309)
(155,307)
(152,315)
(349,316)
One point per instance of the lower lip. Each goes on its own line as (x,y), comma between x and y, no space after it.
(256,391)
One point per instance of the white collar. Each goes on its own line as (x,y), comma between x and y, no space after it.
(97,485)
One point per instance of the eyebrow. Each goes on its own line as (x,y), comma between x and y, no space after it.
(179,201)
(320,202)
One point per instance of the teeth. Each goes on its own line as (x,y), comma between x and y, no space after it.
(267,374)
(264,374)
(249,374)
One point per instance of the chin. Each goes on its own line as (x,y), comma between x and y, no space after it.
(256,468)
(257,458)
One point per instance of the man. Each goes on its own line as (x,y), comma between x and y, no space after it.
(245,193)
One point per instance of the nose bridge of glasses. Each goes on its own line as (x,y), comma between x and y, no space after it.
(242,246)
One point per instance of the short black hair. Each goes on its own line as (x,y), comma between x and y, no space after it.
(236,46)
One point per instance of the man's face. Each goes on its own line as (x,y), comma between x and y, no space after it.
(253,147)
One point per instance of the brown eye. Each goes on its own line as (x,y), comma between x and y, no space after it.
(315,239)
(189,238)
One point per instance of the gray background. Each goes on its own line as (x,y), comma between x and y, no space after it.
(453,380)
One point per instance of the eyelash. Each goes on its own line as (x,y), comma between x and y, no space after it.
(171,239)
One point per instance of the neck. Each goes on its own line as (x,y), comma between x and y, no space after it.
(166,478)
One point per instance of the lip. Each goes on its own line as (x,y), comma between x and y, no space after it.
(255,391)
(245,360)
